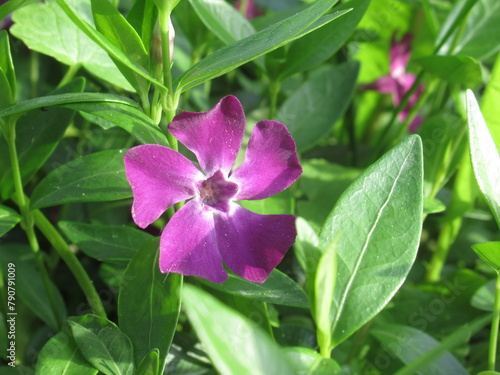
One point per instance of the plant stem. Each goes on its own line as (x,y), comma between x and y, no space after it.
(62,248)
(68,76)
(495,322)
(274,89)
(27,222)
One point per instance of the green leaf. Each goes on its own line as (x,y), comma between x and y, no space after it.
(462,70)
(313,109)
(225,330)
(29,285)
(150,364)
(489,252)
(113,26)
(278,289)
(408,344)
(307,361)
(142,17)
(61,356)
(376,224)
(11,5)
(110,243)
(223,20)
(484,155)
(95,177)
(479,37)
(433,206)
(45,28)
(484,297)
(251,47)
(5,91)
(281,203)
(489,103)
(114,52)
(321,44)
(103,344)
(38,134)
(149,304)
(8,219)
(6,64)
(166,6)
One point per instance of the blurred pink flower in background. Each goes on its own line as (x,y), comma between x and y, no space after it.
(251,10)
(398,81)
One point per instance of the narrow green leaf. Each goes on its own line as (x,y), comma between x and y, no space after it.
(38,134)
(142,17)
(61,356)
(96,177)
(489,252)
(226,330)
(113,51)
(29,286)
(103,344)
(408,343)
(149,304)
(150,365)
(278,289)
(489,103)
(6,64)
(319,45)
(8,219)
(110,243)
(223,20)
(251,47)
(11,5)
(484,155)
(456,69)
(5,90)
(313,109)
(376,224)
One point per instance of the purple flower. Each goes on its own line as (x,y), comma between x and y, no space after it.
(398,81)
(251,11)
(210,228)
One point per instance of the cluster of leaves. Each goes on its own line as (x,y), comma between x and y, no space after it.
(382,278)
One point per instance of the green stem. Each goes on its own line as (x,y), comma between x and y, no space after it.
(34,73)
(70,73)
(274,89)
(495,322)
(27,222)
(62,248)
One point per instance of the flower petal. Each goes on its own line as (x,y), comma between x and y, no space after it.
(399,54)
(188,244)
(214,136)
(159,177)
(271,163)
(252,245)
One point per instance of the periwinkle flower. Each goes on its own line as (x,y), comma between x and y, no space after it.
(211,229)
(251,10)
(398,81)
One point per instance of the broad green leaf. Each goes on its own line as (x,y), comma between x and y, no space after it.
(38,134)
(479,37)
(456,69)
(29,285)
(11,5)
(149,303)
(484,297)
(8,219)
(110,243)
(95,177)
(489,103)
(484,155)
(45,28)
(278,289)
(225,330)
(376,224)
(315,107)
(61,356)
(489,252)
(6,64)
(324,291)
(150,364)
(223,20)
(114,52)
(113,26)
(408,343)
(319,45)
(103,344)
(251,47)
(307,361)
(106,110)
